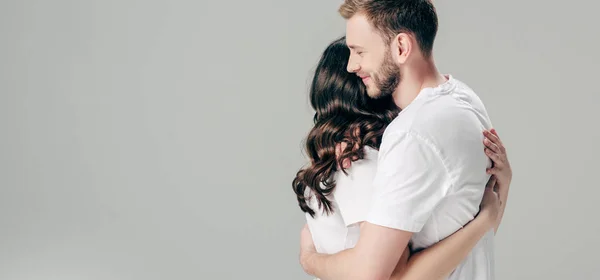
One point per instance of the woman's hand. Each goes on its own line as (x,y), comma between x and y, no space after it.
(500,171)
(495,150)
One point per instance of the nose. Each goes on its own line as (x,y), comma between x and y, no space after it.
(352,67)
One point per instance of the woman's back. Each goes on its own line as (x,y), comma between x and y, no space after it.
(351,200)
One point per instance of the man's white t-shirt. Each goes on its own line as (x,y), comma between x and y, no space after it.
(431,172)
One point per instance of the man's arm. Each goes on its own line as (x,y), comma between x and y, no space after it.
(373,258)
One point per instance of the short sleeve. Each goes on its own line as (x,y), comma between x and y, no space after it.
(354,192)
(411,180)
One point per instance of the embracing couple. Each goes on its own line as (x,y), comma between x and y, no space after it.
(407,179)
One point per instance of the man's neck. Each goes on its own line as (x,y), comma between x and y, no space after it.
(414,80)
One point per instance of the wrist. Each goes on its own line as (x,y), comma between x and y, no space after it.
(487,219)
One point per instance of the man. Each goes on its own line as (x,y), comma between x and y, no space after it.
(431,168)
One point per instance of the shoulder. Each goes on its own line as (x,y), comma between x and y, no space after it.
(440,122)
(360,170)
(358,179)
(354,190)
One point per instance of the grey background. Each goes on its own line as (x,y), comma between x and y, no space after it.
(158,139)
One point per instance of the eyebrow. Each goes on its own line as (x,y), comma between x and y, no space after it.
(352,47)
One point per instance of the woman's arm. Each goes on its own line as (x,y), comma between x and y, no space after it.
(439,260)
(501,169)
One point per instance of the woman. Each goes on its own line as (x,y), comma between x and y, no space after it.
(342,146)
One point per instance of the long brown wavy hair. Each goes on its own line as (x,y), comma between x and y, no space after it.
(343,113)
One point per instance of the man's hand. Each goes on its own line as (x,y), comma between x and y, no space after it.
(307,247)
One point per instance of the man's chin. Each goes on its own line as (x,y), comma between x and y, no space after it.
(374,94)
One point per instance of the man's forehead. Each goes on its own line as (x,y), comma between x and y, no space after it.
(358,31)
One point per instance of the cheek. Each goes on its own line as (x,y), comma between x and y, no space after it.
(370,64)
(375,71)
(367,66)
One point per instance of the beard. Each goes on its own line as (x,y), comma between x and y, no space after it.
(386,80)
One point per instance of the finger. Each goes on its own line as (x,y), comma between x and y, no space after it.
(491,182)
(492,137)
(488,143)
(500,143)
(496,170)
(501,148)
(494,157)
(493,171)
(496,189)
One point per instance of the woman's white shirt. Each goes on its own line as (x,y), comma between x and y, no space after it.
(351,201)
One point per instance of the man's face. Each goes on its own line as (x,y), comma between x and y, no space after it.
(371,58)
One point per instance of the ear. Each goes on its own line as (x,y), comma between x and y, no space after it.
(401,47)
